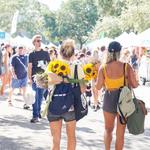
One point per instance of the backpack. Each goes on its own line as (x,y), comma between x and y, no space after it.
(125,106)
(62,99)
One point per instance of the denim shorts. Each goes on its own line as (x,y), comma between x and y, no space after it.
(110,101)
(19,83)
(68,116)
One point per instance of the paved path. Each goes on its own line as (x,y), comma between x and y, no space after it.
(17,133)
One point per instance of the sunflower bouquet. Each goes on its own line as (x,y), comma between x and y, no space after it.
(59,67)
(90,71)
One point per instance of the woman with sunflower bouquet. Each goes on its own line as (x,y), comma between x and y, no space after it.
(60,71)
(91,71)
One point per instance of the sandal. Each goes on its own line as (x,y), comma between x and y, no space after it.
(10,103)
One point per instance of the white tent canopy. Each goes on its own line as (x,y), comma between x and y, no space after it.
(18,40)
(144,38)
(25,41)
(99,42)
(128,40)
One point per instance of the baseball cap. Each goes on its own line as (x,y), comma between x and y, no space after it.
(114,47)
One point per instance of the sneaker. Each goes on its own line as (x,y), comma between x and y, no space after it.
(19,94)
(34,120)
(25,106)
(40,116)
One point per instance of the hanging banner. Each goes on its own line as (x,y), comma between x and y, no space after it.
(14,22)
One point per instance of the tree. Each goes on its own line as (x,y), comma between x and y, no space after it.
(108,23)
(136,17)
(110,7)
(109,26)
(76,19)
(30,20)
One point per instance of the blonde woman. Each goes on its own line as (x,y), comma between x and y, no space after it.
(111,76)
(67,52)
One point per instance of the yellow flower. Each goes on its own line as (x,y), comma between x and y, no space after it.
(87,78)
(64,69)
(88,69)
(59,67)
(95,72)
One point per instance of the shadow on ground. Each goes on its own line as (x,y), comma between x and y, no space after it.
(19,120)
(18,144)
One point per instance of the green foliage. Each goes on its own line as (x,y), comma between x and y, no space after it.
(136,17)
(109,26)
(30,20)
(76,19)
(111,7)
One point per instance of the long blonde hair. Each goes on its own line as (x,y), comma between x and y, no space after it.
(111,56)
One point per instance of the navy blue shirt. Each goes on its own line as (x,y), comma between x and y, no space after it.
(39,60)
(19,63)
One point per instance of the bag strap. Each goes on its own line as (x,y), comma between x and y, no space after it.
(21,63)
(76,74)
(122,118)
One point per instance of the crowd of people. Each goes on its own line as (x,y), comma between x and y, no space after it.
(18,67)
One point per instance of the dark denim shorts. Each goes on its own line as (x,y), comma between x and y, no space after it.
(110,101)
(68,116)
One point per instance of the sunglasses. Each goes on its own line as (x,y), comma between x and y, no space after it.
(38,41)
(20,47)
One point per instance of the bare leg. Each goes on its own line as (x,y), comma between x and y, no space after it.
(109,126)
(120,130)
(55,128)
(10,95)
(23,89)
(4,82)
(70,129)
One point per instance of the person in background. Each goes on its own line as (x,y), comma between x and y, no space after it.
(111,76)
(19,63)
(1,64)
(1,61)
(134,61)
(53,53)
(46,49)
(38,60)
(125,56)
(84,50)
(6,74)
(101,52)
(96,61)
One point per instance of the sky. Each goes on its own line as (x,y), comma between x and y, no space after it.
(52,4)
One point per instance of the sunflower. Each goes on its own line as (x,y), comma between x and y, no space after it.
(95,72)
(65,69)
(88,69)
(87,78)
(59,67)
